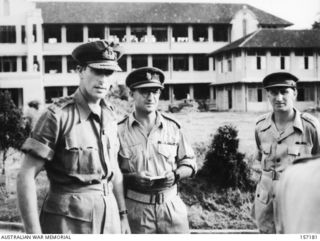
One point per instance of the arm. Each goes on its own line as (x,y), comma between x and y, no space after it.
(27,195)
(118,191)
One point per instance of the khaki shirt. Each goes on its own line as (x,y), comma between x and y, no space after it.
(77,146)
(165,149)
(276,151)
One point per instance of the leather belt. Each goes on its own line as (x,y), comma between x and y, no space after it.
(274,175)
(152,198)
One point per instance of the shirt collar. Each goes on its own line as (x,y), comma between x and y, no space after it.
(297,123)
(83,107)
(159,119)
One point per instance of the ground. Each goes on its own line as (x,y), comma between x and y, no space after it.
(207,208)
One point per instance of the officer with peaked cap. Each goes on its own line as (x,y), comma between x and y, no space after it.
(154,156)
(281,136)
(75,140)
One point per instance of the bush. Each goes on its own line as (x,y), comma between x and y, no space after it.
(224,166)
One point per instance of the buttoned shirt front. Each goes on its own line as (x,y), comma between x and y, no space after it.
(164,149)
(77,145)
(277,150)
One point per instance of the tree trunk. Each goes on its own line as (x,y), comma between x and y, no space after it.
(4,161)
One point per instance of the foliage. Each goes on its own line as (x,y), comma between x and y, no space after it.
(316,25)
(13,131)
(224,166)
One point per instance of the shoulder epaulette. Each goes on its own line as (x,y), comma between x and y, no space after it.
(171,119)
(61,103)
(309,118)
(123,120)
(261,118)
(305,159)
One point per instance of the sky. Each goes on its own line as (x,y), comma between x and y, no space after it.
(302,13)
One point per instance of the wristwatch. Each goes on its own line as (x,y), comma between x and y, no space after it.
(176,177)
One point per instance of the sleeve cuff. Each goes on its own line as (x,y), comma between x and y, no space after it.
(37,148)
(189,163)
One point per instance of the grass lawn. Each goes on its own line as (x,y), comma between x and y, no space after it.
(207,208)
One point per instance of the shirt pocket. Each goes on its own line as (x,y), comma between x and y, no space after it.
(168,151)
(81,159)
(75,206)
(135,156)
(299,150)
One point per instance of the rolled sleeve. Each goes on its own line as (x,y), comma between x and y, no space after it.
(43,138)
(186,156)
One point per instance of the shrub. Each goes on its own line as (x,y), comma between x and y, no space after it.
(224,166)
(13,131)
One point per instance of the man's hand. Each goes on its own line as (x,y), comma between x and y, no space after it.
(143,180)
(169,181)
(125,228)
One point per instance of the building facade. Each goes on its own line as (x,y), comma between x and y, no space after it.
(37,38)
(242,65)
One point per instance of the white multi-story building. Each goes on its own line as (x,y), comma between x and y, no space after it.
(37,38)
(241,66)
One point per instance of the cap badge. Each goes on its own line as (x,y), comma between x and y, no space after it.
(109,54)
(149,76)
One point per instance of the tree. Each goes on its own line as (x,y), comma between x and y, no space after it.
(224,166)
(13,131)
(316,25)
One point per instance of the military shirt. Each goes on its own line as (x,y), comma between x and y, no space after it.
(76,144)
(164,149)
(278,150)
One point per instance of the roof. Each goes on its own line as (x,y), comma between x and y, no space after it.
(275,38)
(148,12)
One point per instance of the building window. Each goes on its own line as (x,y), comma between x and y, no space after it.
(160,33)
(51,93)
(200,62)
(71,64)
(201,91)
(138,34)
(8,64)
(139,61)
(23,34)
(306,94)
(306,62)
(7,34)
(24,63)
(244,26)
(123,63)
(220,33)
(258,62)
(34,33)
(214,64)
(53,64)
(180,62)
(221,66)
(259,95)
(74,33)
(52,33)
(160,61)
(96,32)
(200,33)
(229,63)
(118,33)
(256,94)
(71,89)
(282,62)
(180,33)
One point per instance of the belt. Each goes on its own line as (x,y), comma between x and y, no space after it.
(105,187)
(152,198)
(274,175)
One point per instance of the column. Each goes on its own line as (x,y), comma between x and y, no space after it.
(19,64)
(149,60)
(190,63)
(268,62)
(85,30)
(29,26)
(128,34)
(107,32)
(65,91)
(191,91)
(64,64)
(63,34)
(211,64)
(210,34)
(18,34)
(211,93)
(190,33)
(129,63)
(171,93)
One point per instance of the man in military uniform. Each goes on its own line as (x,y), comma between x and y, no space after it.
(154,155)
(75,140)
(281,136)
(299,197)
